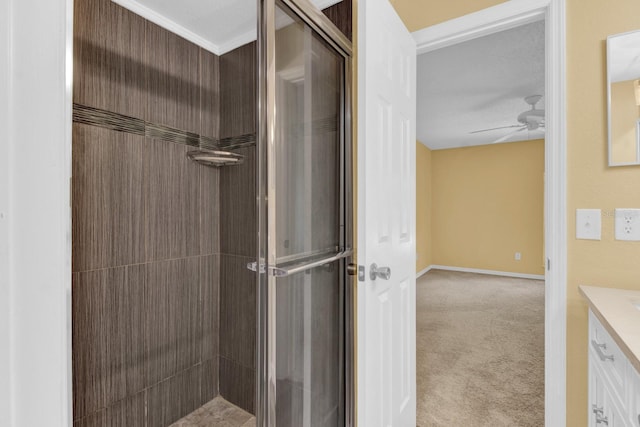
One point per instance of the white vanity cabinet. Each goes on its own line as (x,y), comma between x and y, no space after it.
(614,356)
(607,378)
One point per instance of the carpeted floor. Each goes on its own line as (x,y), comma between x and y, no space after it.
(480,350)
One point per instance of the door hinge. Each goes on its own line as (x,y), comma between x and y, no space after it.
(548,264)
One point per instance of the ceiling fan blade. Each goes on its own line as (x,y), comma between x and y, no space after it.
(501,127)
(509,135)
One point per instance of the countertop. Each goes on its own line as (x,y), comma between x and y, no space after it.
(619,312)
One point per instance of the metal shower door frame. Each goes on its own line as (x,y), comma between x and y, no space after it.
(265,403)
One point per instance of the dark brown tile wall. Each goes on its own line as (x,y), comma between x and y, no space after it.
(108,228)
(171,399)
(209,94)
(124,413)
(172,202)
(237,310)
(237,283)
(237,384)
(341,15)
(172,71)
(108,338)
(146,225)
(173,317)
(238,206)
(108,52)
(238,93)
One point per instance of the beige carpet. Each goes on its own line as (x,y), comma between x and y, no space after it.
(480,350)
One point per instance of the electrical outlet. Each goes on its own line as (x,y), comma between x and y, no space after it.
(518,256)
(628,224)
(588,224)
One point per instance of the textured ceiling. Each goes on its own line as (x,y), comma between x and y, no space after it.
(216,25)
(479,84)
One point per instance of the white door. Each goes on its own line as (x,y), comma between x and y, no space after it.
(386,386)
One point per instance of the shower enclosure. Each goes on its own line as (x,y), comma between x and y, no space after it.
(304,218)
(212,214)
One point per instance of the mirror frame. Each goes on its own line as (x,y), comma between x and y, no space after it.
(610,162)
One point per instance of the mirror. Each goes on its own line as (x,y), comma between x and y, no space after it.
(623,78)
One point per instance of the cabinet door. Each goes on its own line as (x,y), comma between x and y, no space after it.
(634,394)
(616,417)
(596,394)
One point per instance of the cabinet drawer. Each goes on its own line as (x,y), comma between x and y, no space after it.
(607,355)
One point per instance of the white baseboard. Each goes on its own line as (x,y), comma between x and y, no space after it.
(423,272)
(480,271)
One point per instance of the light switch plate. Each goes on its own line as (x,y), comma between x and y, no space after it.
(588,224)
(628,224)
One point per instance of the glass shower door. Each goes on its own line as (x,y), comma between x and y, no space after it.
(304,219)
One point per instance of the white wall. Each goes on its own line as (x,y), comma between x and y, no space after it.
(35,233)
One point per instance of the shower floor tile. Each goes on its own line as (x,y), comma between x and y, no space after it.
(217,413)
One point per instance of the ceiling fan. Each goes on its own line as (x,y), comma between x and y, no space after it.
(528,120)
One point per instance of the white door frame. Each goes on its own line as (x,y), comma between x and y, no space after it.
(36,61)
(507,15)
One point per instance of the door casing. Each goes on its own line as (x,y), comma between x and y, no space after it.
(501,17)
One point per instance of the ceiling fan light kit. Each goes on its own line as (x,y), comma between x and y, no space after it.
(529,120)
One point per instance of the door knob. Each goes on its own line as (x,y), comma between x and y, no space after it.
(381,272)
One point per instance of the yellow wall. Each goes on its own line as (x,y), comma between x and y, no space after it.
(418,14)
(488,205)
(624,115)
(423,207)
(591,184)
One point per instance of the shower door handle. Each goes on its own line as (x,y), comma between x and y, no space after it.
(288,271)
(381,272)
(299,268)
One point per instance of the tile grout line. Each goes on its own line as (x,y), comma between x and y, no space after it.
(148,262)
(143,390)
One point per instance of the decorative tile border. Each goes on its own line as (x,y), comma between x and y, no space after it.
(107,119)
(119,122)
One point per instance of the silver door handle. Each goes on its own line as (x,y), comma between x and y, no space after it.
(600,418)
(298,268)
(381,272)
(598,348)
